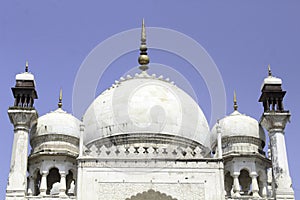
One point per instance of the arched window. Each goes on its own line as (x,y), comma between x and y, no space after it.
(228,182)
(70,181)
(245,182)
(53,177)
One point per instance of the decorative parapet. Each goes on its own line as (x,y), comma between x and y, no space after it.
(142,152)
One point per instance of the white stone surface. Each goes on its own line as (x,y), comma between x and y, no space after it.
(180,180)
(145,104)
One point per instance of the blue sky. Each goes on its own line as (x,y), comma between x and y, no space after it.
(242,37)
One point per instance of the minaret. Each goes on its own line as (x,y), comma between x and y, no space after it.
(274,119)
(23,116)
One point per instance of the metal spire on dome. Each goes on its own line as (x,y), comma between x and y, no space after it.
(235,106)
(269,70)
(143,58)
(26,66)
(60,99)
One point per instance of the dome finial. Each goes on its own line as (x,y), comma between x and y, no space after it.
(269,70)
(26,66)
(60,99)
(143,58)
(235,106)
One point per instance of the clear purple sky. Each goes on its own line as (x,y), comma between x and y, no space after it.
(242,37)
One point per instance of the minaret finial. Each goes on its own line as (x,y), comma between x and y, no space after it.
(143,35)
(269,70)
(60,99)
(26,66)
(143,58)
(235,106)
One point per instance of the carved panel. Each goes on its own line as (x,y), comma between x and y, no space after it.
(167,191)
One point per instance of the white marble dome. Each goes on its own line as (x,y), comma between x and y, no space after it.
(58,122)
(237,124)
(145,104)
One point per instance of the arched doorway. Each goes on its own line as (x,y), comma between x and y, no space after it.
(151,195)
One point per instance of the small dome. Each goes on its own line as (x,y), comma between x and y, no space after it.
(237,124)
(58,122)
(271,80)
(145,104)
(26,76)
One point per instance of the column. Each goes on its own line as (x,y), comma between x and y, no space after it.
(43,186)
(275,124)
(63,185)
(236,184)
(22,119)
(81,140)
(255,188)
(220,153)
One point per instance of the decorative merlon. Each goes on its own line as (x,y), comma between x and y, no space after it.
(120,152)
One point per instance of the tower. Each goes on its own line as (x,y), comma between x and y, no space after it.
(245,163)
(23,116)
(274,120)
(52,161)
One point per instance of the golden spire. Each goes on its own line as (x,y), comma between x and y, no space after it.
(269,70)
(26,66)
(143,58)
(60,99)
(235,106)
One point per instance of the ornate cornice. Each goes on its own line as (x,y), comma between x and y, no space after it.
(34,141)
(275,121)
